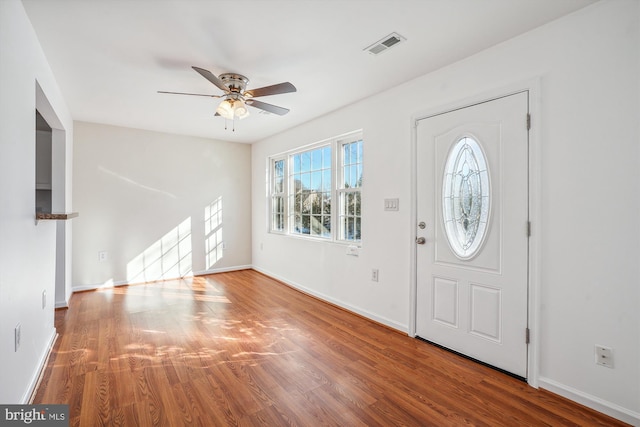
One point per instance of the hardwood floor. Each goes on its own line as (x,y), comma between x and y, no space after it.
(243,349)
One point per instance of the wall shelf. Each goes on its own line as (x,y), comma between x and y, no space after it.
(54,216)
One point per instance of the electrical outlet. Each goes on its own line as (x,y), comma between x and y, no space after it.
(102,256)
(17,336)
(374,275)
(604,356)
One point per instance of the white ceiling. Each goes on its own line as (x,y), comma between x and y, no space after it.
(110,57)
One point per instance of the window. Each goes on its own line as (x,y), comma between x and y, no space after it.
(304,182)
(465,197)
(310,200)
(349,190)
(277,196)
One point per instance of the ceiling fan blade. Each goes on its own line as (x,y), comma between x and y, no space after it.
(212,78)
(267,107)
(193,94)
(285,87)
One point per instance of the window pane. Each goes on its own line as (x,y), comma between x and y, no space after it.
(353,147)
(326,157)
(315,201)
(353,176)
(278,173)
(326,180)
(326,224)
(305,204)
(305,162)
(348,204)
(316,159)
(306,224)
(316,225)
(346,172)
(316,181)
(296,163)
(306,181)
(326,203)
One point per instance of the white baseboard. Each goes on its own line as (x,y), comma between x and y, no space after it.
(37,374)
(113,284)
(61,304)
(93,287)
(593,402)
(222,270)
(342,304)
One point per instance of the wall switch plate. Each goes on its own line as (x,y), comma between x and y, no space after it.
(604,356)
(374,275)
(44,299)
(391,204)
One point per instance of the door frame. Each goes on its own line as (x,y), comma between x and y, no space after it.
(531,86)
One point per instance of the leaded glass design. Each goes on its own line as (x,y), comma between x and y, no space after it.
(466,197)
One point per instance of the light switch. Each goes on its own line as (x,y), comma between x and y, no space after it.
(391,204)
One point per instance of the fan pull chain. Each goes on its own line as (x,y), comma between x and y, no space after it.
(233,123)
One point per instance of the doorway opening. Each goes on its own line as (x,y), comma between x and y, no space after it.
(51,186)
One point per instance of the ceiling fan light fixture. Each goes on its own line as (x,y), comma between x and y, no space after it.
(240,109)
(225,109)
(236,99)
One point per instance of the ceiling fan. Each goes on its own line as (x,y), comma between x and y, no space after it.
(237,98)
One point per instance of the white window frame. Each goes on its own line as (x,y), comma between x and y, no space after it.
(343,192)
(337,189)
(273,193)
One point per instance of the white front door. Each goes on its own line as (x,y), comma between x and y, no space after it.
(472,211)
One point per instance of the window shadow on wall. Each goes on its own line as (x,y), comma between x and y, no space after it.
(167,258)
(214,245)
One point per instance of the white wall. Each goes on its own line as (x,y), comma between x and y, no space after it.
(589,197)
(135,189)
(27,250)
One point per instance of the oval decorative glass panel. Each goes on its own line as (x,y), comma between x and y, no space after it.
(466,197)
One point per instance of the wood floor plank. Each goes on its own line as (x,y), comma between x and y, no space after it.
(242,349)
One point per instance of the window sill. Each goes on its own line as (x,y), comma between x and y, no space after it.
(308,238)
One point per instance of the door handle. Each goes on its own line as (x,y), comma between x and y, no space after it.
(421,240)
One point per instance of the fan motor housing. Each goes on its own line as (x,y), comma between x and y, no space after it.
(235,82)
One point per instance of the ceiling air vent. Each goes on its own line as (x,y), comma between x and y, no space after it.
(385,43)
